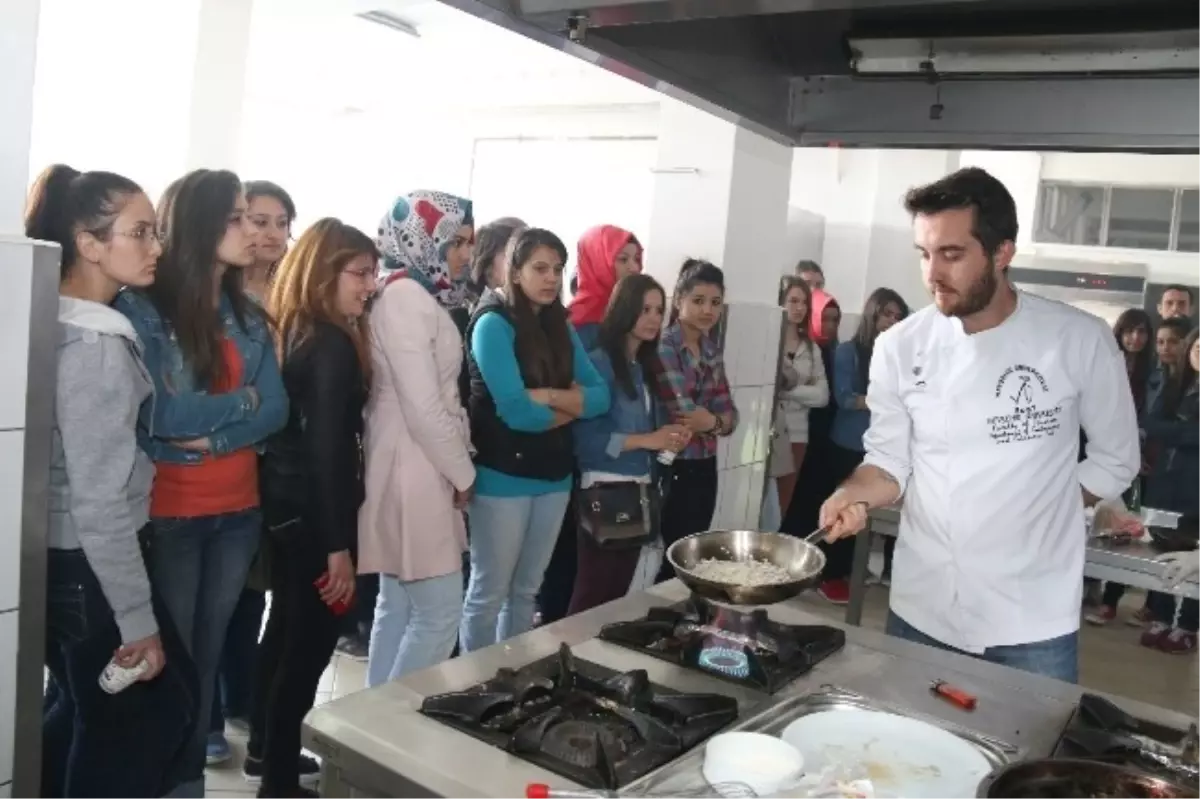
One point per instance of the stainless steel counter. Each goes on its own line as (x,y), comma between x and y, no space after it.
(1129,564)
(375,743)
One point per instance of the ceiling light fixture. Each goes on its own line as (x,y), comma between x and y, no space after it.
(1165,51)
(389,20)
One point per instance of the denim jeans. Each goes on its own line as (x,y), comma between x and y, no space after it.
(1163,606)
(416,625)
(233,697)
(95,744)
(200,566)
(512,539)
(1055,657)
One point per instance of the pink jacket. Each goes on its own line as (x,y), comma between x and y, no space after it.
(417,440)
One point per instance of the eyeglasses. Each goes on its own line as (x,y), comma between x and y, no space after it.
(143,234)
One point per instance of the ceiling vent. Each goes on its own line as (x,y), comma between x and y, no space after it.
(389,20)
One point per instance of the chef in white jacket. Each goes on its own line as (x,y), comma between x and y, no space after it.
(976,406)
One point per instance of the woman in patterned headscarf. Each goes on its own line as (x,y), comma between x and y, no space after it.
(419,474)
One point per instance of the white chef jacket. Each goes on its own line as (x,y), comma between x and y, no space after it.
(982,434)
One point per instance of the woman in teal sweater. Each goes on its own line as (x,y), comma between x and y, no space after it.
(530,378)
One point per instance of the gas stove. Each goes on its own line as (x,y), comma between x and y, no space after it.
(747,648)
(598,727)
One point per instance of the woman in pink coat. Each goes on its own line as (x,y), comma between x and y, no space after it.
(419,474)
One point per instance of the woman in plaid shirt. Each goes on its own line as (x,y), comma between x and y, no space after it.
(692,384)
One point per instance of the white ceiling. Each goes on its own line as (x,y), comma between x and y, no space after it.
(316,55)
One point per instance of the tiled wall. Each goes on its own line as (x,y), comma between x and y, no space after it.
(751,335)
(27,352)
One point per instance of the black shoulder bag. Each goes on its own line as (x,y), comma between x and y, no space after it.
(622,515)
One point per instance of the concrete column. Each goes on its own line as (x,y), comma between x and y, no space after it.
(218,84)
(27,345)
(18,58)
(721,193)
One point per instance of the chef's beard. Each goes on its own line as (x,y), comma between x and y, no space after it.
(977,295)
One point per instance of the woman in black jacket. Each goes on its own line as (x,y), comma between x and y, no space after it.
(312,485)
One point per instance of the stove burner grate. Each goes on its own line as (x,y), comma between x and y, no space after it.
(724,660)
(747,648)
(598,727)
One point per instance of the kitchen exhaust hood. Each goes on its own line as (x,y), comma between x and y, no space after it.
(1121,75)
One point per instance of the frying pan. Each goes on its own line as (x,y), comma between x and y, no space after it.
(802,560)
(1066,777)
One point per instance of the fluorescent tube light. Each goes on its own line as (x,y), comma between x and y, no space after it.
(1172,51)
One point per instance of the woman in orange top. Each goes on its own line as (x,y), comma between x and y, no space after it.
(217,395)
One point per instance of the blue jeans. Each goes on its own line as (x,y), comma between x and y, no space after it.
(1056,657)
(416,625)
(233,697)
(93,743)
(200,566)
(512,539)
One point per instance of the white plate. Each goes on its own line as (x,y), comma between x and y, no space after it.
(901,756)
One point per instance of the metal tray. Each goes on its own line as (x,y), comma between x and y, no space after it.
(685,772)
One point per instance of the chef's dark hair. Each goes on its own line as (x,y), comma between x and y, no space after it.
(993,207)
(694,272)
(64,202)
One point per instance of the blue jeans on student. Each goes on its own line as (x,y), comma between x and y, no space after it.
(1055,657)
(416,625)
(200,566)
(512,539)
(94,743)
(234,694)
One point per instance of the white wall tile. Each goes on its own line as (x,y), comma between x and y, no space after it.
(743,442)
(734,496)
(766,410)
(754,496)
(16,258)
(12,482)
(8,691)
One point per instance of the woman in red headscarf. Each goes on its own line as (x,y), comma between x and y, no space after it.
(606,254)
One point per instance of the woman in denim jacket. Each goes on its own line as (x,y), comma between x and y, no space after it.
(620,445)
(218,394)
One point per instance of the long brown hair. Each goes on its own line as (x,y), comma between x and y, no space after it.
(543,340)
(624,310)
(193,215)
(305,287)
(1138,364)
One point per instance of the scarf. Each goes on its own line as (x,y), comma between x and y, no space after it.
(413,240)
(596,270)
(820,301)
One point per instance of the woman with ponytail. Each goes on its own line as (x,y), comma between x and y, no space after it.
(693,386)
(100,603)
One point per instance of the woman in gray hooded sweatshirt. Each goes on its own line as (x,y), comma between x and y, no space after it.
(99,602)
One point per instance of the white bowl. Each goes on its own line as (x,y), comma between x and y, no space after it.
(765,763)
